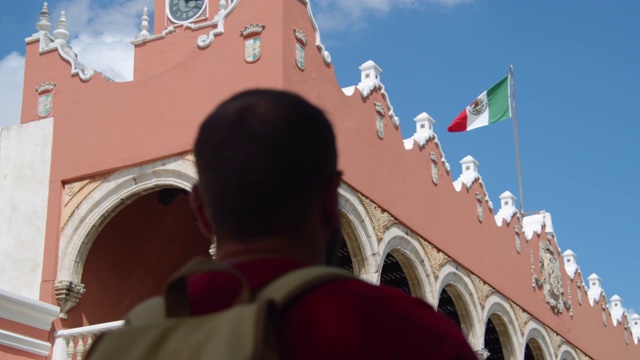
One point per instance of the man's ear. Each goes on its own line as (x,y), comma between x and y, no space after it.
(199,213)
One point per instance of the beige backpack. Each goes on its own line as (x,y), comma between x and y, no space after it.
(161,328)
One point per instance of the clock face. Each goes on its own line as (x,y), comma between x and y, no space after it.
(182,11)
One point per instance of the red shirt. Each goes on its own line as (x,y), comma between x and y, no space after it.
(341,319)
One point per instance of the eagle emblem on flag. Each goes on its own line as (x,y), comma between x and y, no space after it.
(477,107)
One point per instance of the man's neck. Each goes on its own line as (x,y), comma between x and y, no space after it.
(233,251)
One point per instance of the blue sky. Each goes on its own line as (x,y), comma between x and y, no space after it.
(577,71)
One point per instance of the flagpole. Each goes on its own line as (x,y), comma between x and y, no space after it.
(515,132)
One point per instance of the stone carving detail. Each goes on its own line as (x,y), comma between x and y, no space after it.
(75,192)
(569,304)
(626,333)
(535,281)
(482,354)
(380,220)
(604,313)
(579,284)
(433,156)
(582,355)
(434,173)
(252,30)
(437,259)
(518,249)
(68,294)
(479,198)
(551,281)
(522,316)
(300,36)
(190,157)
(482,289)
(556,340)
(379,108)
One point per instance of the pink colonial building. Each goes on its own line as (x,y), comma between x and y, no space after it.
(94,184)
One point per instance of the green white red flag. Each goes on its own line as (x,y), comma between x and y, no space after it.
(490,107)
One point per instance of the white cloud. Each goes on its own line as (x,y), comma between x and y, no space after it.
(101,34)
(11,78)
(336,15)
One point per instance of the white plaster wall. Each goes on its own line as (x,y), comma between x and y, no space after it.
(25,163)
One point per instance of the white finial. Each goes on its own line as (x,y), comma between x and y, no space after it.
(44,25)
(144,25)
(369,73)
(570,262)
(469,165)
(223,5)
(595,288)
(617,311)
(61,34)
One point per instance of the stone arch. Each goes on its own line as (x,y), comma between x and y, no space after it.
(567,352)
(113,194)
(540,341)
(358,233)
(406,248)
(463,293)
(498,310)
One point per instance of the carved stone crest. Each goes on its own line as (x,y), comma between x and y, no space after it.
(479,198)
(253,42)
(379,127)
(551,277)
(45,98)
(301,43)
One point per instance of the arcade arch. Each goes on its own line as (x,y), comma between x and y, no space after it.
(404,260)
(457,293)
(501,335)
(113,194)
(537,344)
(358,234)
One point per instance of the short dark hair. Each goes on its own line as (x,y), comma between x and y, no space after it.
(263,157)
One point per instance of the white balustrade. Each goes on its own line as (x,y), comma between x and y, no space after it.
(72,344)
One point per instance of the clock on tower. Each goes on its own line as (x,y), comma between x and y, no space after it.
(184,11)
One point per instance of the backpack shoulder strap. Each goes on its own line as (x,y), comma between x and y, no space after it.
(287,287)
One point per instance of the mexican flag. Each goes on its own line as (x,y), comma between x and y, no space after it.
(490,107)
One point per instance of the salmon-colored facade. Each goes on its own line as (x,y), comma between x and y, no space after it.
(118,224)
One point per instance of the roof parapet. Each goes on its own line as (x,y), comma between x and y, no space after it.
(58,41)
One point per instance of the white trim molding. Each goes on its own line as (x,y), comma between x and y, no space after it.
(27,311)
(24,343)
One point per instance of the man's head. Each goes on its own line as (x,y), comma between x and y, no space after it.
(267,166)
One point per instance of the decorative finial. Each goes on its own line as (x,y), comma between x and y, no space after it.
(61,34)
(144,25)
(222,5)
(44,25)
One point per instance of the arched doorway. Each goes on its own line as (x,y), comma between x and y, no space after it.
(533,350)
(343,258)
(393,274)
(447,306)
(134,253)
(492,341)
